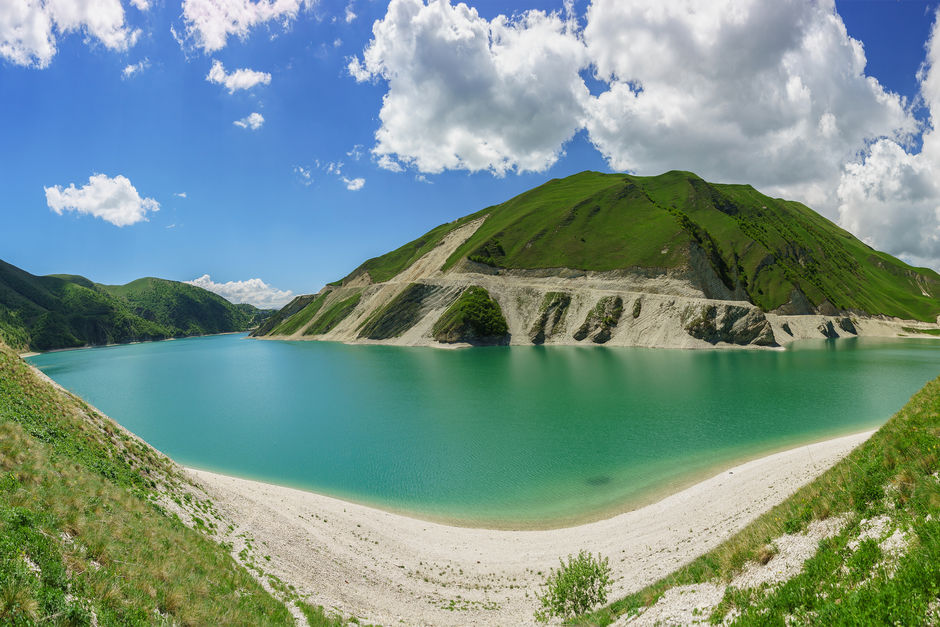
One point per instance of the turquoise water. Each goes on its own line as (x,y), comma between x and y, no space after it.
(506,436)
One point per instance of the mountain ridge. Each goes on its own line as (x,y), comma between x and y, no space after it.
(67,311)
(723,262)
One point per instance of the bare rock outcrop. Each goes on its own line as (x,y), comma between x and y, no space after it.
(733,324)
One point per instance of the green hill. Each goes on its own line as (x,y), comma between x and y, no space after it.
(64,311)
(730,240)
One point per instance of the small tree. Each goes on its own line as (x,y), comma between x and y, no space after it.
(575,587)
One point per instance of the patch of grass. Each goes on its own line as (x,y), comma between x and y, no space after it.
(288,310)
(80,534)
(474,317)
(333,315)
(551,316)
(298,319)
(923,331)
(904,453)
(601,320)
(399,315)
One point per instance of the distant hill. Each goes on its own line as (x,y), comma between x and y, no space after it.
(561,249)
(65,311)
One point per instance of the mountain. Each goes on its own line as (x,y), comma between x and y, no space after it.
(669,260)
(64,311)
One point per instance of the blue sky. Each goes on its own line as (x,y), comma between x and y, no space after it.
(354,159)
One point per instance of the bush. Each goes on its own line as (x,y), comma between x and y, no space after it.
(575,588)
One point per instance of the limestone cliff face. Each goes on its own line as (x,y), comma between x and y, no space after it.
(684,308)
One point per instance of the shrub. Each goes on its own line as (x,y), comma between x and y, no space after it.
(575,588)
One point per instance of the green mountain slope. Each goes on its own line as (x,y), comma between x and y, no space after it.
(731,240)
(63,311)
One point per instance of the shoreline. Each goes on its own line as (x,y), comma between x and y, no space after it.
(27,354)
(387,567)
(644,498)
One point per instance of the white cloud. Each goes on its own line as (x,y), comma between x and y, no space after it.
(354,185)
(135,68)
(253,121)
(253,291)
(29,28)
(142,5)
(355,152)
(306,177)
(769,93)
(114,200)
(210,22)
(350,15)
(467,93)
(891,197)
(242,78)
(180,194)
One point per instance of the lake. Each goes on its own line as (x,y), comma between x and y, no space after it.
(504,436)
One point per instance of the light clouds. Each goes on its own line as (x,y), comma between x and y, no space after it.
(252,121)
(467,93)
(306,177)
(29,28)
(209,23)
(113,200)
(253,291)
(135,68)
(354,185)
(242,78)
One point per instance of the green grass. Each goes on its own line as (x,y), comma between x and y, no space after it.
(80,533)
(297,320)
(923,331)
(894,474)
(280,316)
(333,315)
(474,317)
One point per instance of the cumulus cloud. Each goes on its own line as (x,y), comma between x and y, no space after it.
(180,194)
(769,93)
(29,28)
(135,68)
(891,196)
(242,78)
(354,185)
(253,291)
(253,121)
(350,14)
(208,23)
(114,200)
(468,93)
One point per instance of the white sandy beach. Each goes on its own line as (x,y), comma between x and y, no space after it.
(388,568)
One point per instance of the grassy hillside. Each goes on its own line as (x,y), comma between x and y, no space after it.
(81,535)
(64,311)
(770,251)
(853,579)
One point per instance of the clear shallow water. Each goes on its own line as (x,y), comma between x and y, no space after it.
(504,435)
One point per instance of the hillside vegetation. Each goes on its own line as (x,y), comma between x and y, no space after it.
(880,567)
(65,311)
(730,240)
(82,537)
